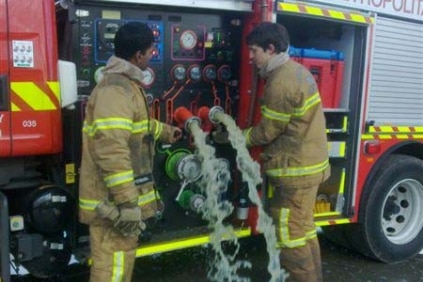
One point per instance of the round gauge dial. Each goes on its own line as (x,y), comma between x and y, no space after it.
(209,73)
(195,72)
(179,73)
(188,39)
(148,77)
(224,73)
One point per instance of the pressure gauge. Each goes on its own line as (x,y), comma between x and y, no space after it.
(195,72)
(148,77)
(224,73)
(209,73)
(179,73)
(188,39)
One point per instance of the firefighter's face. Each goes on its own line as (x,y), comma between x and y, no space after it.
(259,56)
(142,60)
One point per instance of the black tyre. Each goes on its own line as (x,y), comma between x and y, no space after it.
(391,212)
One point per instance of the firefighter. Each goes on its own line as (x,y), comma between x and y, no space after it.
(116,184)
(295,160)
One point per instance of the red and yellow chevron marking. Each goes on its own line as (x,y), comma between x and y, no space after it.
(394,132)
(333,222)
(327,13)
(30,96)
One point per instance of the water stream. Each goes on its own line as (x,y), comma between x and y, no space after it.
(250,171)
(215,179)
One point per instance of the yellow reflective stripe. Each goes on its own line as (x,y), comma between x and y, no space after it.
(118,266)
(186,242)
(246,134)
(15,108)
(311,234)
(140,126)
(309,103)
(286,241)
(33,96)
(55,88)
(119,178)
(88,205)
(298,171)
(108,123)
(158,129)
(273,115)
(327,13)
(147,198)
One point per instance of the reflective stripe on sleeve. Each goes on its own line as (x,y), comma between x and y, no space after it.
(140,126)
(88,205)
(298,171)
(107,124)
(147,198)
(158,129)
(274,115)
(246,134)
(119,178)
(309,103)
(143,199)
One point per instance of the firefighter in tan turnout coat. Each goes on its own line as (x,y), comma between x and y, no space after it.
(116,184)
(295,159)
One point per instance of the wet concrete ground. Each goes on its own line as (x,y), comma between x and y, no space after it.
(339,264)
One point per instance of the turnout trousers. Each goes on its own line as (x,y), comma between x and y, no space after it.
(292,213)
(113,255)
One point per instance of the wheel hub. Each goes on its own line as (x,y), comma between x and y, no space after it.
(401,219)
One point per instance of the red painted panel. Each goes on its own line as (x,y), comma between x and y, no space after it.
(5,134)
(4,93)
(36,133)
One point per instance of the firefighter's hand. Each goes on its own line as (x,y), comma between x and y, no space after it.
(177,134)
(126,218)
(220,136)
(129,222)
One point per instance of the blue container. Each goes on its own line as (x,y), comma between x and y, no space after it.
(316,54)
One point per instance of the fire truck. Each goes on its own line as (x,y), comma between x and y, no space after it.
(366,57)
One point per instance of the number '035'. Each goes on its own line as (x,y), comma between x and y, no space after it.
(29,123)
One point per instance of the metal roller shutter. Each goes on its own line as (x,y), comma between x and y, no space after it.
(396,89)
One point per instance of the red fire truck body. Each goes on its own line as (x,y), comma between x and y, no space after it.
(366,57)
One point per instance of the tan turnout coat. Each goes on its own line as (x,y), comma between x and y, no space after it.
(118,143)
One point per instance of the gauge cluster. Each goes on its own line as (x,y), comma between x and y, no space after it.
(188,43)
(194,66)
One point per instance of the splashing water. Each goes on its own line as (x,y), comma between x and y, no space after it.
(215,178)
(250,170)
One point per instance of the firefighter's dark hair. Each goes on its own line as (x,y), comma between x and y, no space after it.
(131,38)
(269,33)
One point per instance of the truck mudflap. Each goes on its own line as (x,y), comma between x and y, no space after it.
(4,239)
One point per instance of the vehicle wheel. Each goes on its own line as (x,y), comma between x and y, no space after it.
(390,225)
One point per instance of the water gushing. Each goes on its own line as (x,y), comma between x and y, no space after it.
(250,170)
(215,179)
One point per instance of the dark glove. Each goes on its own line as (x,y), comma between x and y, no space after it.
(126,217)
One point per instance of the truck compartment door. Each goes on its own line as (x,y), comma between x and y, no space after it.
(5,141)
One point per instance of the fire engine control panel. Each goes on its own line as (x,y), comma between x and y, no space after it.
(193,63)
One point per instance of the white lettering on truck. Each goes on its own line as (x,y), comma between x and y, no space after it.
(1,117)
